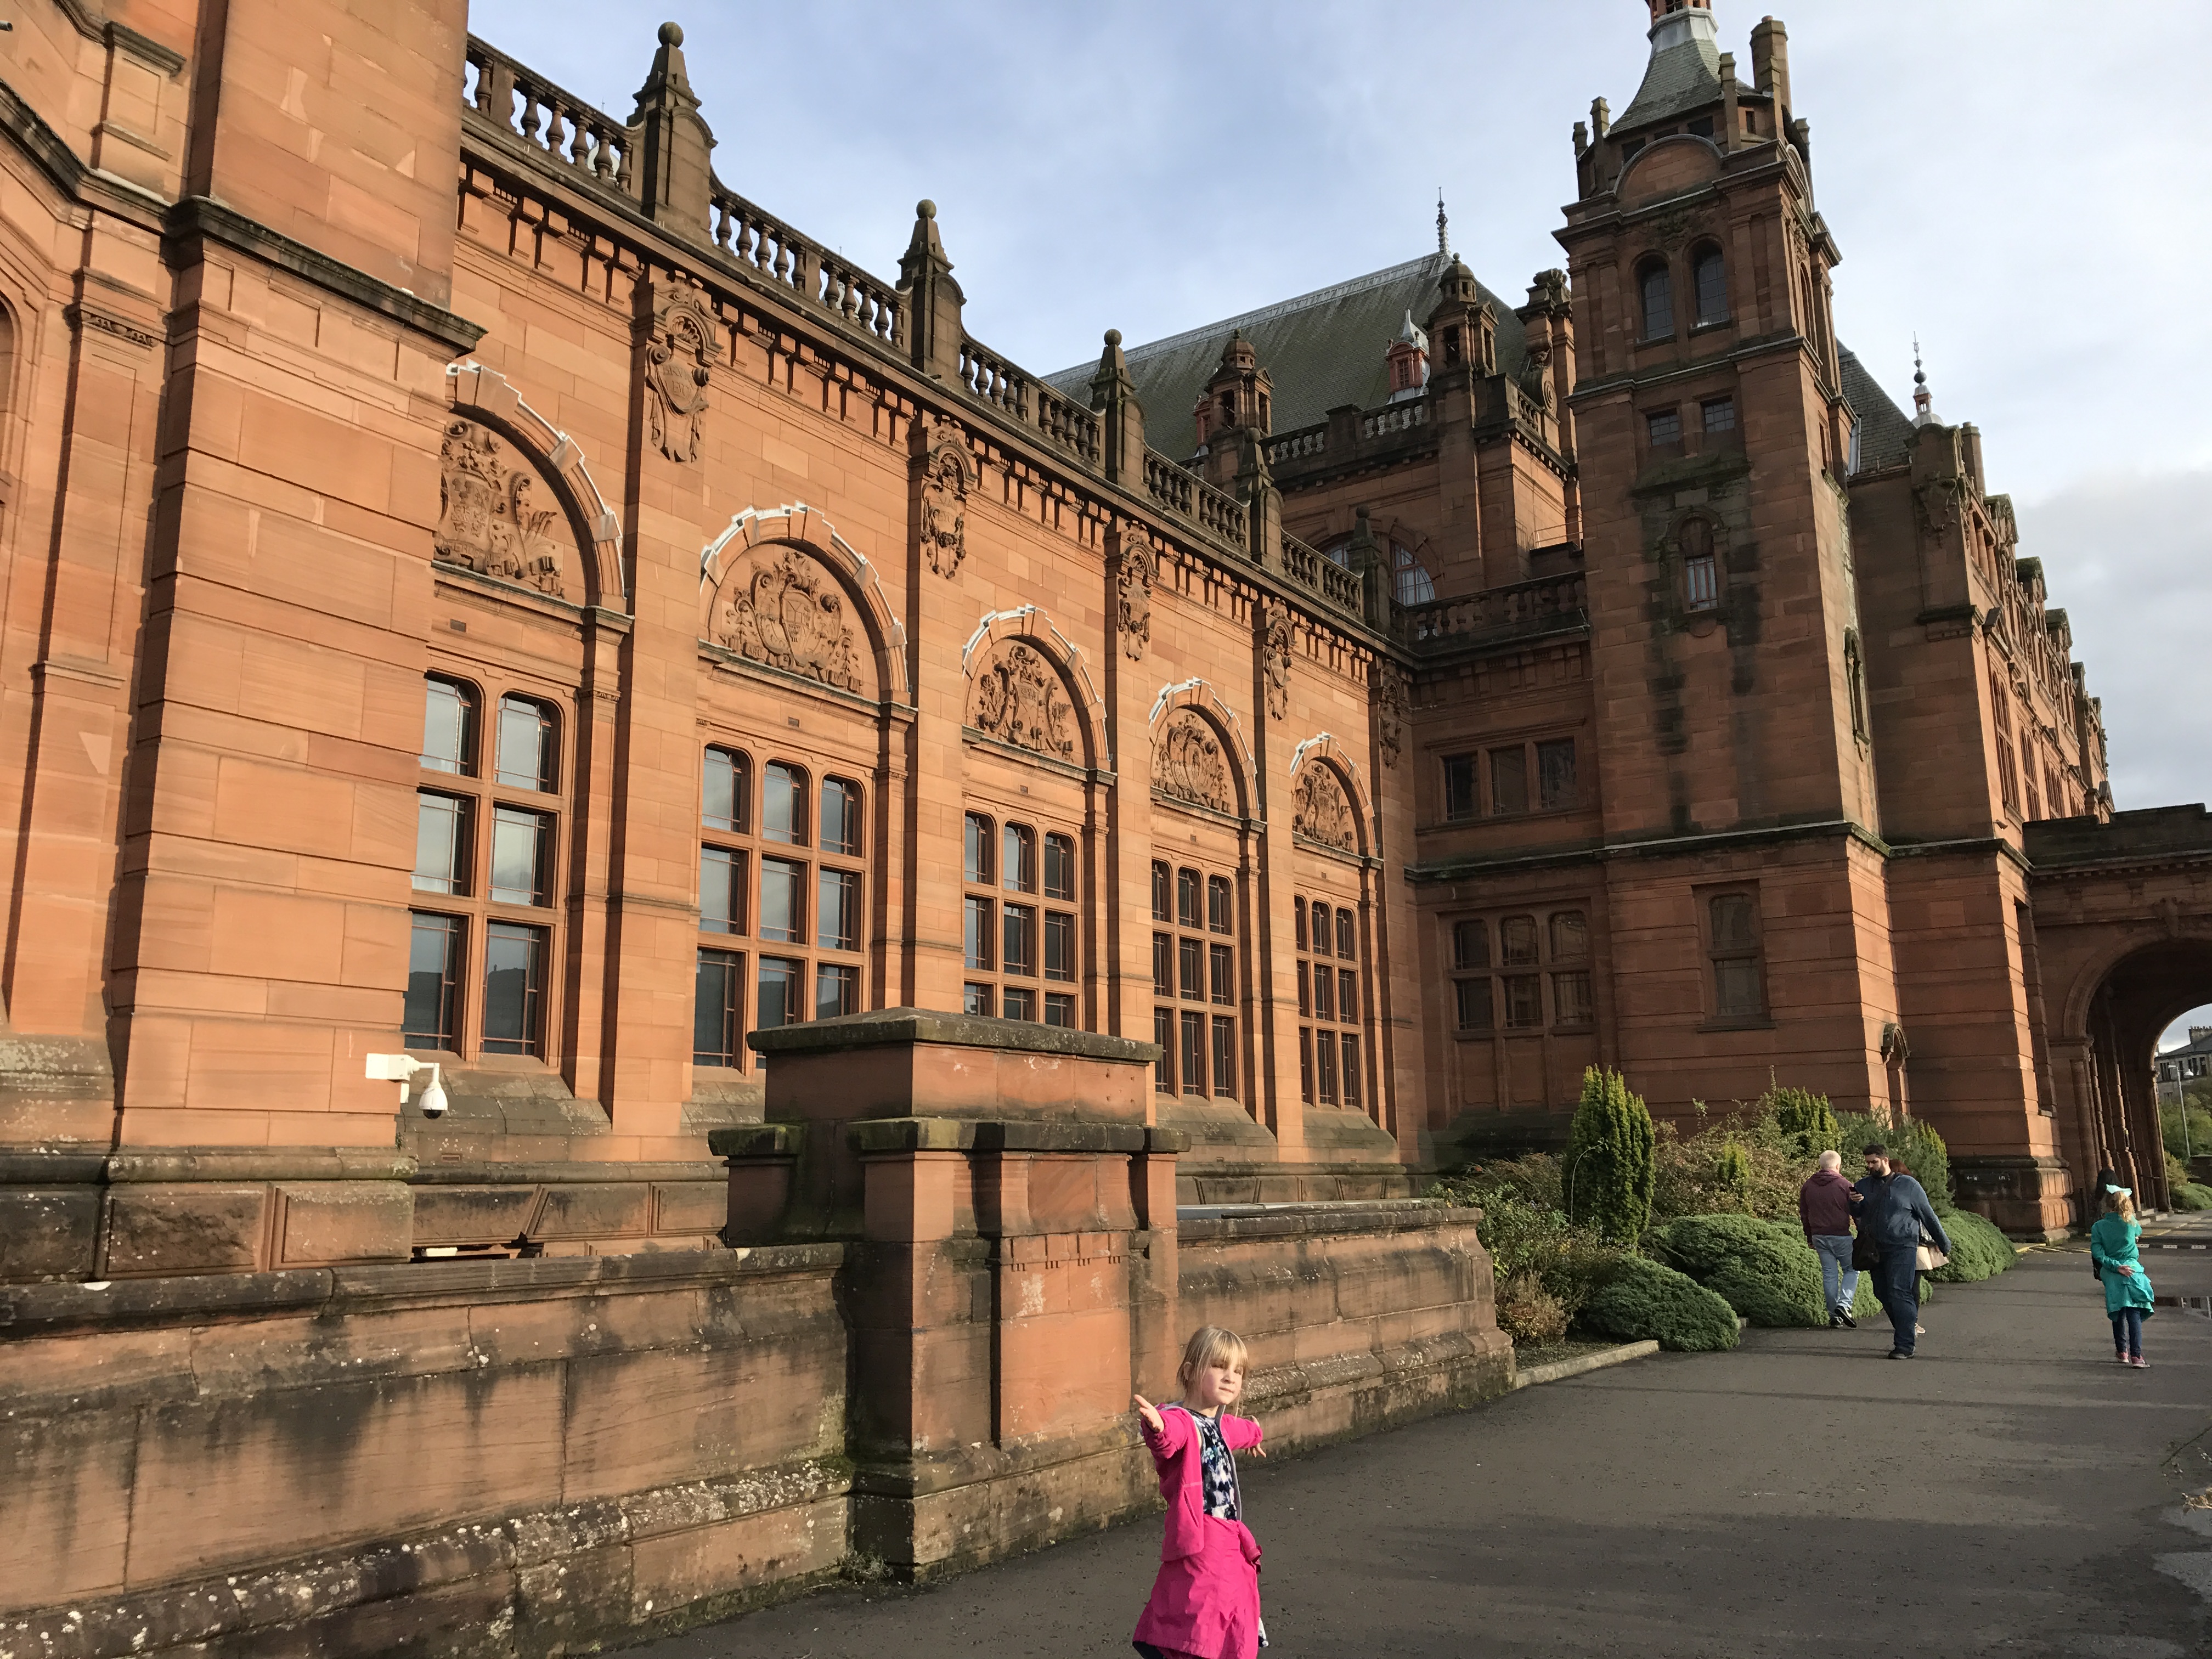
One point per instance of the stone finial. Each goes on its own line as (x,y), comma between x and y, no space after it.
(675,182)
(1364,557)
(1443,235)
(1121,418)
(932,299)
(1924,400)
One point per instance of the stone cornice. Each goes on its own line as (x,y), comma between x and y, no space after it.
(1428,872)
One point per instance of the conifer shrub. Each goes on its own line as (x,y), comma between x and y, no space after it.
(1644,1300)
(1915,1142)
(1979,1249)
(1806,1120)
(1609,1169)
(1764,1270)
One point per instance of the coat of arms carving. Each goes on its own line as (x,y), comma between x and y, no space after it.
(1187,764)
(947,470)
(1319,810)
(488,518)
(1389,710)
(1132,583)
(788,613)
(1019,699)
(1275,657)
(676,372)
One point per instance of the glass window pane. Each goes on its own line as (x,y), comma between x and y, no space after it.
(977,867)
(977,999)
(721,890)
(441,843)
(1060,869)
(716,1010)
(1020,1002)
(841,819)
(1192,1035)
(1516,940)
(1509,780)
(1164,964)
(1221,973)
(1305,995)
(449,727)
(725,790)
(1059,945)
(1735,985)
(1470,944)
(1160,909)
(1305,1067)
(1020,935)
(1712,288)
(1348,996)
(1524,999)
(837,911)
(1225,1055)
(433,972)
(1190,960)
(1320,928)
(783,805)
(1571,997)
(977,933)
(514,988)
(525,758)
(1701,583)
(1347,934)
(1555,774)
(1324,993)
(521,856)
(1732,922)
(1187,899)
(1060,1009)
(1325,1066)
(1163,1035)
(1570,936)
(836,990)
(782,902)
(1658,303)
(1018,859)
(781,986)
(1350,1068)
(1459,786)
(1220,905)
(1719,414)
(1473,996)
(1298,921)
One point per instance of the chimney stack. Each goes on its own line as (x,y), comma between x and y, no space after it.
(1770,63)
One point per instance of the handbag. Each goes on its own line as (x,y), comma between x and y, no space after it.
(1927,1259)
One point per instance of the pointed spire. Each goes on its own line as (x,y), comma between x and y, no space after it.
(1444,236)
(1924,401)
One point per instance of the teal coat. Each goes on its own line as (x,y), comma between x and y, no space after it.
(2111,1246)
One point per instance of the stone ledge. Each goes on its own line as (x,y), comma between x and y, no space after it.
(1204,1224)
(894,1027)
(1559,1370)
(964,1134)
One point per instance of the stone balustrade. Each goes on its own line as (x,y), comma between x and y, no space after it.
(1542,605)
(1023,397)
(525,106)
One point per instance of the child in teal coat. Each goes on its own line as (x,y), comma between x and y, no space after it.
(2128,1300)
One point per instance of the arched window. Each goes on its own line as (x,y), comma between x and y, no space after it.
(1701,584)
(1331,1069)
(449,727)
(527,746)
(1656,284)
(1010,941)
(1410,577)
(1710,273)
(1196,984)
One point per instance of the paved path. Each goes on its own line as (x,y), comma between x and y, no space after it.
(2010,1492)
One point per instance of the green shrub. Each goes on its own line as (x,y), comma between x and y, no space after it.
(1979,1249)
(1912,1140)
(1644,1300)
(2192,1196)
(2189,1136)
(1764,1270)
(1608,1170)
(1806,1120)
(1529,1313)
(1743,1165)
(1527,1233)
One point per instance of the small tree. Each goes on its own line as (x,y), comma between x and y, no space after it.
(1806,1118)
(1610,1167)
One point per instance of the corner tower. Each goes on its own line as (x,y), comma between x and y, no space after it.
(1712,443)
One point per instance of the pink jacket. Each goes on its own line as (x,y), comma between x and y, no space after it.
(1183,1480)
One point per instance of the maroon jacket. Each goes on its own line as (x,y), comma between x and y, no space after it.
(1824,1205)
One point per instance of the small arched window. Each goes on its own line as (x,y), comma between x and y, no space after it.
(449,727)
(1701,584)
(783,805)
(527,753)
(1656,284)
(1410,577)
(1710,273)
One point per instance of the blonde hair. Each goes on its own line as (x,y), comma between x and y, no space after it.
(2119,1204)
(1209,1344)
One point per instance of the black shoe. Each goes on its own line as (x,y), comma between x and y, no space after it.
(1850,1323)
(1835,1322)
(1898,1353)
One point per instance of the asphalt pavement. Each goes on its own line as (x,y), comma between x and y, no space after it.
(2011,1491)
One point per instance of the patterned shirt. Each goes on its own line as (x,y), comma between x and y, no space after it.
(1216,1467)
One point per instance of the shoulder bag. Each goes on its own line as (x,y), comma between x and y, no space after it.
(1927,1259)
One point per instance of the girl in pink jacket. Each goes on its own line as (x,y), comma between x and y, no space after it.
(1205,1601)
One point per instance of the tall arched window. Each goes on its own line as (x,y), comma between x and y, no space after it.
(1709,271)
(1656,284)
(1409,577)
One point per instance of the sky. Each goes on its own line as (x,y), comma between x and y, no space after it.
(2016,181)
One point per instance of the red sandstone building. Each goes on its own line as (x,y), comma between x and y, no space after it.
(477,583)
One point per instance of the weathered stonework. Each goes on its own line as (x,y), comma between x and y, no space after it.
(1018,698)
(488,518)
(1187,764)
(788,612)
(1320,811)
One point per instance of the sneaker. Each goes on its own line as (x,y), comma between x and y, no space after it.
(1850,1323)
(1920,1330)
(1835,1322)
(2139,1362)
(2122,1357)
(1898,1353)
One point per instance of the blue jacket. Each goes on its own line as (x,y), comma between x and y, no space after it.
(1894,1211)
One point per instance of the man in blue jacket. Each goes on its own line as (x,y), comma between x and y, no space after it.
(1892,1211)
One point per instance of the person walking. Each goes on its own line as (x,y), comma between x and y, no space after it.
(1206,1600)
(2112,1258)
(1824,1208)
(1893,1215)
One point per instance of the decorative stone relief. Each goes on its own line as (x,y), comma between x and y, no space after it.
(1187,764)
(1134,585)
(947,471)
(1319,812)
(1536,369)
(1275,652)
(488,520)
(786,610)
(1390,710)
(1018,698)
(1936,503)
(677,370)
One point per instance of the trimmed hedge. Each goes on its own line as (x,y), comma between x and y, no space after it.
(2191,1196)
(1764,1270)
(1979,1249)
(1645,1301)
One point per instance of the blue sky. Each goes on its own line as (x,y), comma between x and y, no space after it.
(2018,181)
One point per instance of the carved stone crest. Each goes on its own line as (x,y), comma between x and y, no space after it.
(787,612)
(676,371)
(1132,583)
(947,470)
(1275,657)
(1389,710)
(1936,503)
(1536,369)
(488,517)
(1019,699)
(1319,812)
(1187,764)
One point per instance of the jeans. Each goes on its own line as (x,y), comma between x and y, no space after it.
(1897,1282)
(2127,1332)
(1835,1253)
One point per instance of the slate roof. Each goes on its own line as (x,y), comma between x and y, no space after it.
(1885,432)
(1680,79)
(2196,1046)
(1321,350)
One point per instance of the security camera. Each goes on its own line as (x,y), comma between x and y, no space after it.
(404,1069)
